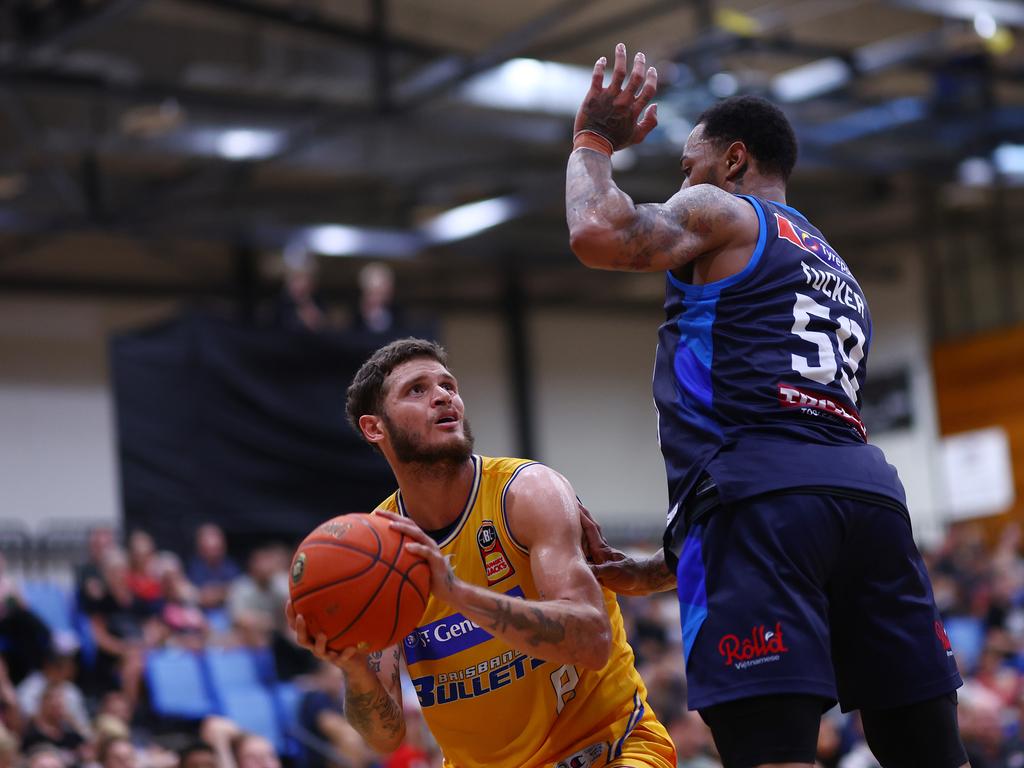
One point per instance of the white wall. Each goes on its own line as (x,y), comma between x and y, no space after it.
(57,445)
(900,340)
(594,417)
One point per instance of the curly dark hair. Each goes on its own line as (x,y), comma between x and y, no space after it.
(757,123)
(366,392)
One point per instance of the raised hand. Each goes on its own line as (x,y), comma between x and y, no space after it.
(617,113)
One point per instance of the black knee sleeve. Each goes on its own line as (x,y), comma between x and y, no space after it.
(922,735)
(766,729)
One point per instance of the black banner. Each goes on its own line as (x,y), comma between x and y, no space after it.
(241,426)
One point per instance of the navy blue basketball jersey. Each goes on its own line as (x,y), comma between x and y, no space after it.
(758,376)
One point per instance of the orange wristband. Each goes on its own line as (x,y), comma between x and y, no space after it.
(591,140)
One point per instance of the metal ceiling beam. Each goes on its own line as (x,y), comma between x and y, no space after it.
(619,23)
(1008,12)
(75,25)
(440,76)
(302,19)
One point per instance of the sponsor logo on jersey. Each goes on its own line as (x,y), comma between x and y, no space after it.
(813,405)
(940,632)
(585,758)
(431,690)
(764,646)
(446,637)
(496,563)
(811,243)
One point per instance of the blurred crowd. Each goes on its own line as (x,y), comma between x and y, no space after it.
(80,698)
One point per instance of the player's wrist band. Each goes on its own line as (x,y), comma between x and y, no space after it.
(588,139)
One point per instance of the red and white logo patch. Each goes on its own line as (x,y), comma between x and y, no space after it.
(496,564)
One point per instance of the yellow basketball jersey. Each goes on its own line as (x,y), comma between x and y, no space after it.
(488,704)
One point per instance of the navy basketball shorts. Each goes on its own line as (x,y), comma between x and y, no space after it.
(814,594)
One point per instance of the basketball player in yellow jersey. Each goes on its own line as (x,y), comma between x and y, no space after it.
(520,659)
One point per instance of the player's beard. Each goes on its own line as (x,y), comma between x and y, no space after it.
(409,449)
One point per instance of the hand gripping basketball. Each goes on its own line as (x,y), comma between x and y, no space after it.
(442,577)
(354,583)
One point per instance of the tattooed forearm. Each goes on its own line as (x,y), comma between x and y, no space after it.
(374,661)
(373,712)
(541,627)
(654,573)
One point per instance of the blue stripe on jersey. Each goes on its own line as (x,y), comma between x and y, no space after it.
(694,355)
(693,598)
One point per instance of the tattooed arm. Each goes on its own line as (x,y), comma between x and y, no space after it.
(606,229)
(569,623)
(373,700)
(373,689)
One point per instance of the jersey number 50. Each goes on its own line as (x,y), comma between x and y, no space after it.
(831,347)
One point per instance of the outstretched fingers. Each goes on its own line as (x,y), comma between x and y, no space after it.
(636,77)
(619,70)
(646,124)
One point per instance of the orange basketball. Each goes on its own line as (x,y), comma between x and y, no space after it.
(352,579)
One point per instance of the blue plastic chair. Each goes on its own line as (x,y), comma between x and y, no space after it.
(231,668)
(253,709)
(967,636)
(51,603)
(177,687)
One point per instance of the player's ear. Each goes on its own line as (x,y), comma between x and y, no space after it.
(736,159)
(372,427)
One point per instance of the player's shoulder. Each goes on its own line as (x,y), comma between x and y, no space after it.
(515,472)
(390,504)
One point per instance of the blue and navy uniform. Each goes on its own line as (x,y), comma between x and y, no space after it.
(775,496)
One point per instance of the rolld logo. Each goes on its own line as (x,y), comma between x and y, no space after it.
(761,643)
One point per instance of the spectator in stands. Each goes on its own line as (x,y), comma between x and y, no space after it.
(299,305)
(375,312)
(197,754)
(59,669)
(10,711)
(256,607)
(89,575)
(8,748)
(321,715)
(144,569)
(44,756)
(211,569)
(256,600)
(694,745)
(51,725)
(117,753)
(235,748)
(123,626)
(181,613)
(23,635)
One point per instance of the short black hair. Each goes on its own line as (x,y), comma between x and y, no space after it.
(366,392)
(757,123)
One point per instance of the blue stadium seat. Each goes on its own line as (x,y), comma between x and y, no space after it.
(253,709)
(176,684)
(218,619)
(51,603)
(287,698)
(231,668)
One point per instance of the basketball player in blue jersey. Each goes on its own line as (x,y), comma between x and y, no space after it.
(788,540)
